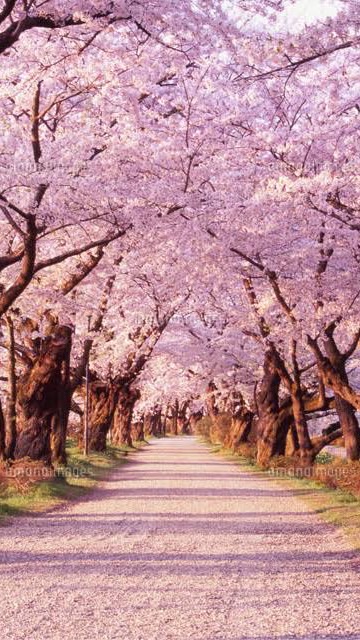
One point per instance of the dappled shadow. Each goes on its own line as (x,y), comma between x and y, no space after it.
(150,476)
(181,564)
(198,516)
(209,492)
(97,525)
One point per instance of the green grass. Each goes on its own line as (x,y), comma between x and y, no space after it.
(324,458)
(333,505)
(79,476)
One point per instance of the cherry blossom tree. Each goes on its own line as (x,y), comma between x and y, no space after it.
(179,207)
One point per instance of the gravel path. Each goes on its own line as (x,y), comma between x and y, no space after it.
(179,545)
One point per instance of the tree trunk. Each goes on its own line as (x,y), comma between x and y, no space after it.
(332,379)
(123,417)
(240,428)
(306,451)
(350,427)
(292,442)
(164,423)
(60,424)
(193,420)
(174,418)
(147,425)
(102,405)
(39,398)
(11,399)
(346,412)
(183,420)
(2,434)
(182,425)
(152,423)
(268,407)
(137,431)
(210,402)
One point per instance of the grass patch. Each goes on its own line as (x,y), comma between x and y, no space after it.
(337,505)
(324,458)
(80,475)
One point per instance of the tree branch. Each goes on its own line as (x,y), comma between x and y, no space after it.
(50,262)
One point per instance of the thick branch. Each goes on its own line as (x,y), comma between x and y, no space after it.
(13,32)
(273,280)
(6,11)
(250,292)
(50,262)
(79,372)
(27,267)
(353,346)
(35,125)
(319,442)
(293,66)
(83,271)
(332,378)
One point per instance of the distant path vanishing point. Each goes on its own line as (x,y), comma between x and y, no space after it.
(179,544)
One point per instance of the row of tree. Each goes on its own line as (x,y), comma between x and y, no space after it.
(179,204)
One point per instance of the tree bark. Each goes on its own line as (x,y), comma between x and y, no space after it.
(39,398)
(240,428)
(194,419)
(12,390)
(349,426)
(137,431)
(2,434)
(27,267)
(268,406)
(346,412)
(152,423)
(123,416)
(298,406)
(60,424)
(183,421)
(332,378)
(103,397)
(305,448)
(210,403)
(292,442)
(162,421)
(174,418)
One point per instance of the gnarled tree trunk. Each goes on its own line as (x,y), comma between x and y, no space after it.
(121,431)
(60,423)
(10,418)
(267,401)
(345,411)
(137,431)
(39,398)
(350,427)
(333,372)
(103,397)
(240,428)
(306,450)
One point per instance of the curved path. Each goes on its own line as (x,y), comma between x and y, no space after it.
(179,545)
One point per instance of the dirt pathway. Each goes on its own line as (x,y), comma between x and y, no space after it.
(179,545)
